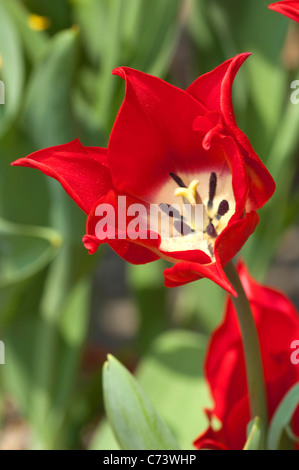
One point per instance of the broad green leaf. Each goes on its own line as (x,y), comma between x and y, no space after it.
(282,418)
(175,362)
(134,420)
(103,438)
(254,436)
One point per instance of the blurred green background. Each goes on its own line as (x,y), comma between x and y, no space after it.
(62,310)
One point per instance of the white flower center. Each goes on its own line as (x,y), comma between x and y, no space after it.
(213,193)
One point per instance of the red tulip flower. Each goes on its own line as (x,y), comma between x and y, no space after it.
(289,8)
(277,324)
(169,146)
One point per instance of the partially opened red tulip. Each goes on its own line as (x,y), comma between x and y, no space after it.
(289,8)
(169,147)
(277,323)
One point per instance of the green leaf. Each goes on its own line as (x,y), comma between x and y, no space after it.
(103,438)
(12,70)
(73,327)
(25,250)
(150,295)
(47,113)
(175,362)
(254,436)
(202,301)
(34,41)
(91,15)
(135,422)
(282,418)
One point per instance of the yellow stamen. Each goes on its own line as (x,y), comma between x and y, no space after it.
(188,193)
(38,23)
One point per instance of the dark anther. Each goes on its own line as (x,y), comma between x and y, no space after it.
(178,180)
(212,189)
(170,211)
(211,231)
(182,228)
(223,208)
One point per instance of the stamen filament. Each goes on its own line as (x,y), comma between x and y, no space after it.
(178,180)
(190,193)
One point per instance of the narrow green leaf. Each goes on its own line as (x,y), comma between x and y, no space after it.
(34,41)
(254,436)
(282,418)
(47,113)
(12,70)
(135,422)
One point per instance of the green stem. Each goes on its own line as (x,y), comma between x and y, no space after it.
(252,351)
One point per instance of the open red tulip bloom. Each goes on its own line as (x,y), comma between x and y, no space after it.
(277,323)
(289,8)
(168,142)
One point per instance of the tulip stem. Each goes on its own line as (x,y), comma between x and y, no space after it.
(252,351)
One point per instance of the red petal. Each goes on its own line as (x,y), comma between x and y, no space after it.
(234,236)
(210,440)
(288,8)
(82,171)
(152,134)
(214,91)
(219,144)
(129,251)
(278,324)
(184,272)
(139,251)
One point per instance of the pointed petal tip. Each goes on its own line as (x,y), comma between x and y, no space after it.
(21,162)
(242,57)
(17,162)
(120,71)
